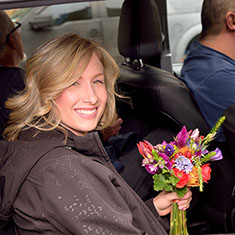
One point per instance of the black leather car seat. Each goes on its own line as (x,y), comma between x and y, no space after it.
(158,97)
(161,99)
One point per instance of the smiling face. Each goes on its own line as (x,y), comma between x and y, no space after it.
(82,105)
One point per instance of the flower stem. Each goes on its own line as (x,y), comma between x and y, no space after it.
(178,220)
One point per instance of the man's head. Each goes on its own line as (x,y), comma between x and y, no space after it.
(215,16)
(11,48)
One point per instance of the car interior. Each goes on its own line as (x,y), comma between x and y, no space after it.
(156,96)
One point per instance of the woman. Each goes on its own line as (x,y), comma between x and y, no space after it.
(58,178)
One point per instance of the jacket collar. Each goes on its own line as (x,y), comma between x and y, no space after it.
(89,144)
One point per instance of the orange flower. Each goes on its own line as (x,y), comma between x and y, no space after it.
(185,150)
(193,182)
(206,175)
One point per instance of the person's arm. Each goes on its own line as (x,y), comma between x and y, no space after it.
(112,130)
(216,94)
(79,200)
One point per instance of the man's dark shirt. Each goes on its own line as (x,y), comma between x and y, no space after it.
(210,75)
(11,81)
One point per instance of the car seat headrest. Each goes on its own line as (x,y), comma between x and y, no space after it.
(140,32)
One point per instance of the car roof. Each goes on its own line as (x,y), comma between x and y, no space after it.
(11,4)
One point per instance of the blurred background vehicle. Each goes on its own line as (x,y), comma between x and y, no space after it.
(99,21)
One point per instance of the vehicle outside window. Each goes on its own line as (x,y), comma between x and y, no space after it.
(184,27)
(99,21)
(94,20)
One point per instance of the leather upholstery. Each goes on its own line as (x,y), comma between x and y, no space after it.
(140,32)
(156,94)
(160,99)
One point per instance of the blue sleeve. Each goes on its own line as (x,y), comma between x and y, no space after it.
(216,94)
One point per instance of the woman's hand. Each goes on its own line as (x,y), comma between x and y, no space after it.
(112,130)
(164,200)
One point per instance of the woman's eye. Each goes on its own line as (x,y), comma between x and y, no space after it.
(98,81)
(75,84)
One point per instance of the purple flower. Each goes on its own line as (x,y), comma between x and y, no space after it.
(166,159)
(198,153)
(183,164)
(201,152)
(205,151)
(151,168)
(217,156)
(169,150)
(181,138)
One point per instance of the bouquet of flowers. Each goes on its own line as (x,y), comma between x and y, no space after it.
(180,164)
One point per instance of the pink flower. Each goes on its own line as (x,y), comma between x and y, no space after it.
(151,169)
(166,159)
(145,148)
(195,134)
(181,138)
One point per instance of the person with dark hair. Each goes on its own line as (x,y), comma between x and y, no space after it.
(209,73)
(56,177)
(209,68)
(11,54)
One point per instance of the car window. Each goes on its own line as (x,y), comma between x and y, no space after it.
(114,7)
(63,13)
(181,6)
(99,21)
(17,14)
(95,20)
(184,26)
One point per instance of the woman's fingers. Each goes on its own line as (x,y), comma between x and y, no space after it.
(164,201)
(184,202)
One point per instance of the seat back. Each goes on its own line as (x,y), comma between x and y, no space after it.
(158,97)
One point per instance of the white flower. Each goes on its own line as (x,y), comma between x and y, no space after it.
(195,134)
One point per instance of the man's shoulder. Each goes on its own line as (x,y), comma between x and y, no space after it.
(17,71)
(11,78)
(205,61)
(199,52)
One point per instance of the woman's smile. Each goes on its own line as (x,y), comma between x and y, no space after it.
(86,112)
(82,104)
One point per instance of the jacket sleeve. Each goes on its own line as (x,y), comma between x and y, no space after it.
(164,220)
(80,198)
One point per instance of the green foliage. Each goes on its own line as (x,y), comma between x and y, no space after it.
(207,157)
(214,130)
(155,155)
(217,125)
(166,182)
(181,191)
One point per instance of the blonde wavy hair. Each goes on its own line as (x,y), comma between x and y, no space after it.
(49,71)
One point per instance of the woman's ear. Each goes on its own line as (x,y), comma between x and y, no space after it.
(12,41)
(230,20)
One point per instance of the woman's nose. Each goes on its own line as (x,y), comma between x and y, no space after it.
(89,94)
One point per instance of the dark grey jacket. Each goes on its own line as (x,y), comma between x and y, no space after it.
(52,188)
